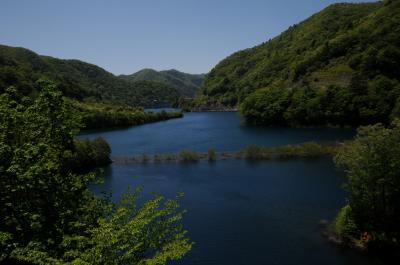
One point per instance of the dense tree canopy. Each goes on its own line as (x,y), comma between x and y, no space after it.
(100,115)
(372,165)
(340,66)
(47,213)
(81,81)
(186,84)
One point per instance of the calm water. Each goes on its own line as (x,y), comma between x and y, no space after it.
(223,131)
(163,109)
(239,213)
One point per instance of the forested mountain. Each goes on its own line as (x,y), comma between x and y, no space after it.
(186,84)
(21,68)
(340,66)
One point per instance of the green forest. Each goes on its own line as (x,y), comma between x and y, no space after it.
(371,217)
(78,80)
(338,67)
(49,216)
(103,99)
(186,84)
(101,115)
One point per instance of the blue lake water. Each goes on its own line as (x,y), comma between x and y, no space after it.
(238,212)
(199,131)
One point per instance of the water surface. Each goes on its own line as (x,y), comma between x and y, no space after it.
(239,212)
(199,131)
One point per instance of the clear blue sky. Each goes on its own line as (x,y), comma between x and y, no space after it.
(126,36)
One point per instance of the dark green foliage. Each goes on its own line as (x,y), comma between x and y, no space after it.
(331,106)
(90,154)
(266,106)
(189,156)
(186,84)
(152,94)
(211,154)
(304,150)
(372,164)
(99,115)
(340,66)
(305,106)
(253,152)
(38,195)
(21,68)
(47,213)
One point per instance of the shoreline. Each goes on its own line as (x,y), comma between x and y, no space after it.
(214,110)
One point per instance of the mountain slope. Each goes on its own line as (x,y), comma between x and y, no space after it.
(21,68)
(186,84)
(339,66)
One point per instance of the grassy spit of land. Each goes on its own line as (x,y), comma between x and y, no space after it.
(251,152)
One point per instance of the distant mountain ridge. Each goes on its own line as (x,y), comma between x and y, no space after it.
(186,84)
(21,68)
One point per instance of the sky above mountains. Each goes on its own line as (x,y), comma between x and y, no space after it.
(125,36)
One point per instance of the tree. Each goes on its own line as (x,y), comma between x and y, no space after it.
(372,165)
(266,106)
(47,213)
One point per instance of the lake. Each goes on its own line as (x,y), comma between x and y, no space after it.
(199,131)
(238,212)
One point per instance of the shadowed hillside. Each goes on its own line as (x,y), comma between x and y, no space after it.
(21,68)
(186,84)
(340,66)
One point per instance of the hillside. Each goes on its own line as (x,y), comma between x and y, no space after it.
(340,66)
(186,84)
(82,81)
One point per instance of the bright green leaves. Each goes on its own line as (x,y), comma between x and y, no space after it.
(36,186)
(344,225)
(47,213)
(127,234)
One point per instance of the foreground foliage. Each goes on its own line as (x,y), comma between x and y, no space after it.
(47,213)
(372,164)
